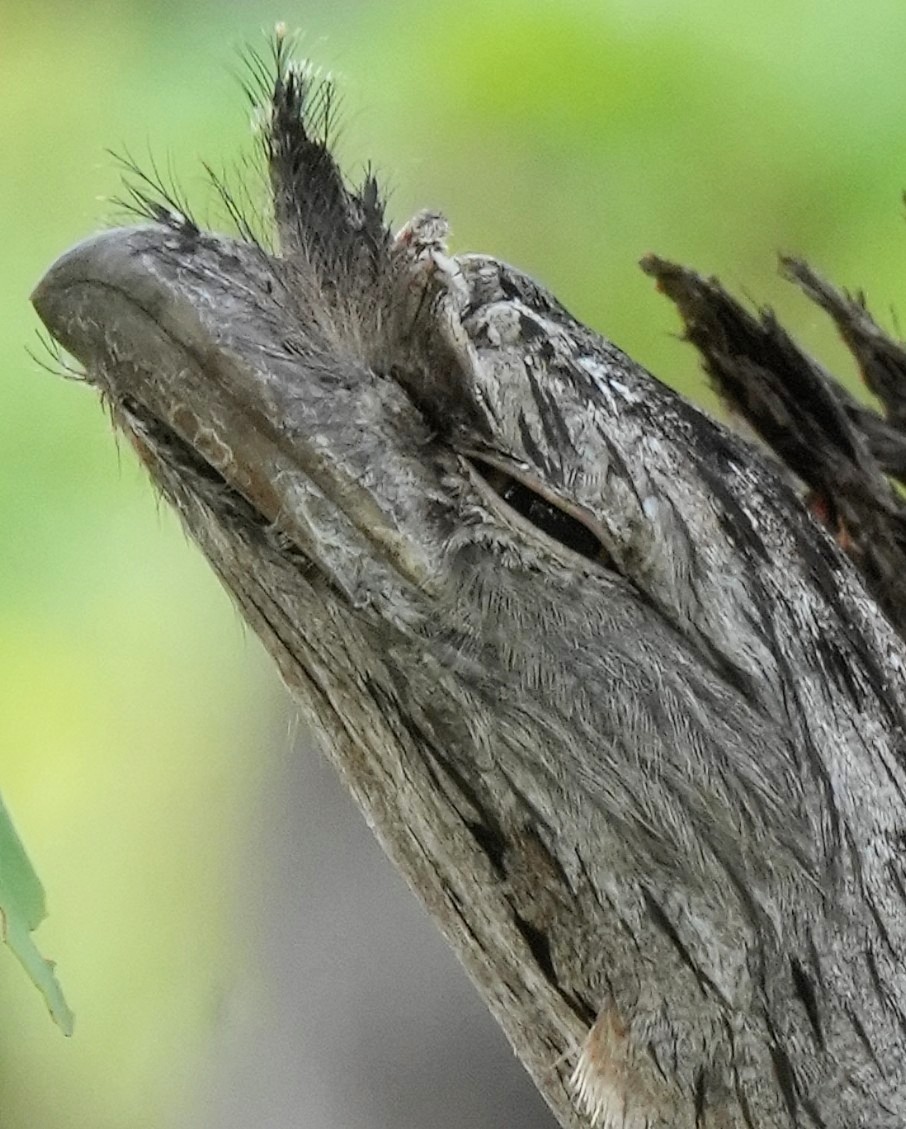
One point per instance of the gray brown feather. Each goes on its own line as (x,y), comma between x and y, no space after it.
(623,713)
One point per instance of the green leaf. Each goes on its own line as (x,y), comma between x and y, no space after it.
(22,909)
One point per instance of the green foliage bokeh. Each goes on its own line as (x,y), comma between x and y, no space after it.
(569,137)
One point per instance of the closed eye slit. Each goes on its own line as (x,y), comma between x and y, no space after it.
(541,511)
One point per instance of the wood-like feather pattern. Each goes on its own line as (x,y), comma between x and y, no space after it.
(665,787)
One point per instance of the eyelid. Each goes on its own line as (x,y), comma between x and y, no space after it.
(567,526)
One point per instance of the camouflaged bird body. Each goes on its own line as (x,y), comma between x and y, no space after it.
(622,712)
(740,832)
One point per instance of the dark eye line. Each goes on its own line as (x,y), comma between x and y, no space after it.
(553,521)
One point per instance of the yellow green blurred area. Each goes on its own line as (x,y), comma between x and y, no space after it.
(138,719)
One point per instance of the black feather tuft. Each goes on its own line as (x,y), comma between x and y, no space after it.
(151,195)
(334,229)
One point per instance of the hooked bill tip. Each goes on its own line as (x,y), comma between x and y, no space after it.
(99,259)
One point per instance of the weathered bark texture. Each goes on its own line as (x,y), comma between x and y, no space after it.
(627,718)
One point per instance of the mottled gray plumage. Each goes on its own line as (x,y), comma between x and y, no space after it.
(623,714)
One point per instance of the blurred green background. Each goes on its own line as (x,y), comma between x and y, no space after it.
(139,722)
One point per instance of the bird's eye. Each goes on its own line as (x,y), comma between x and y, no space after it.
(539,510)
